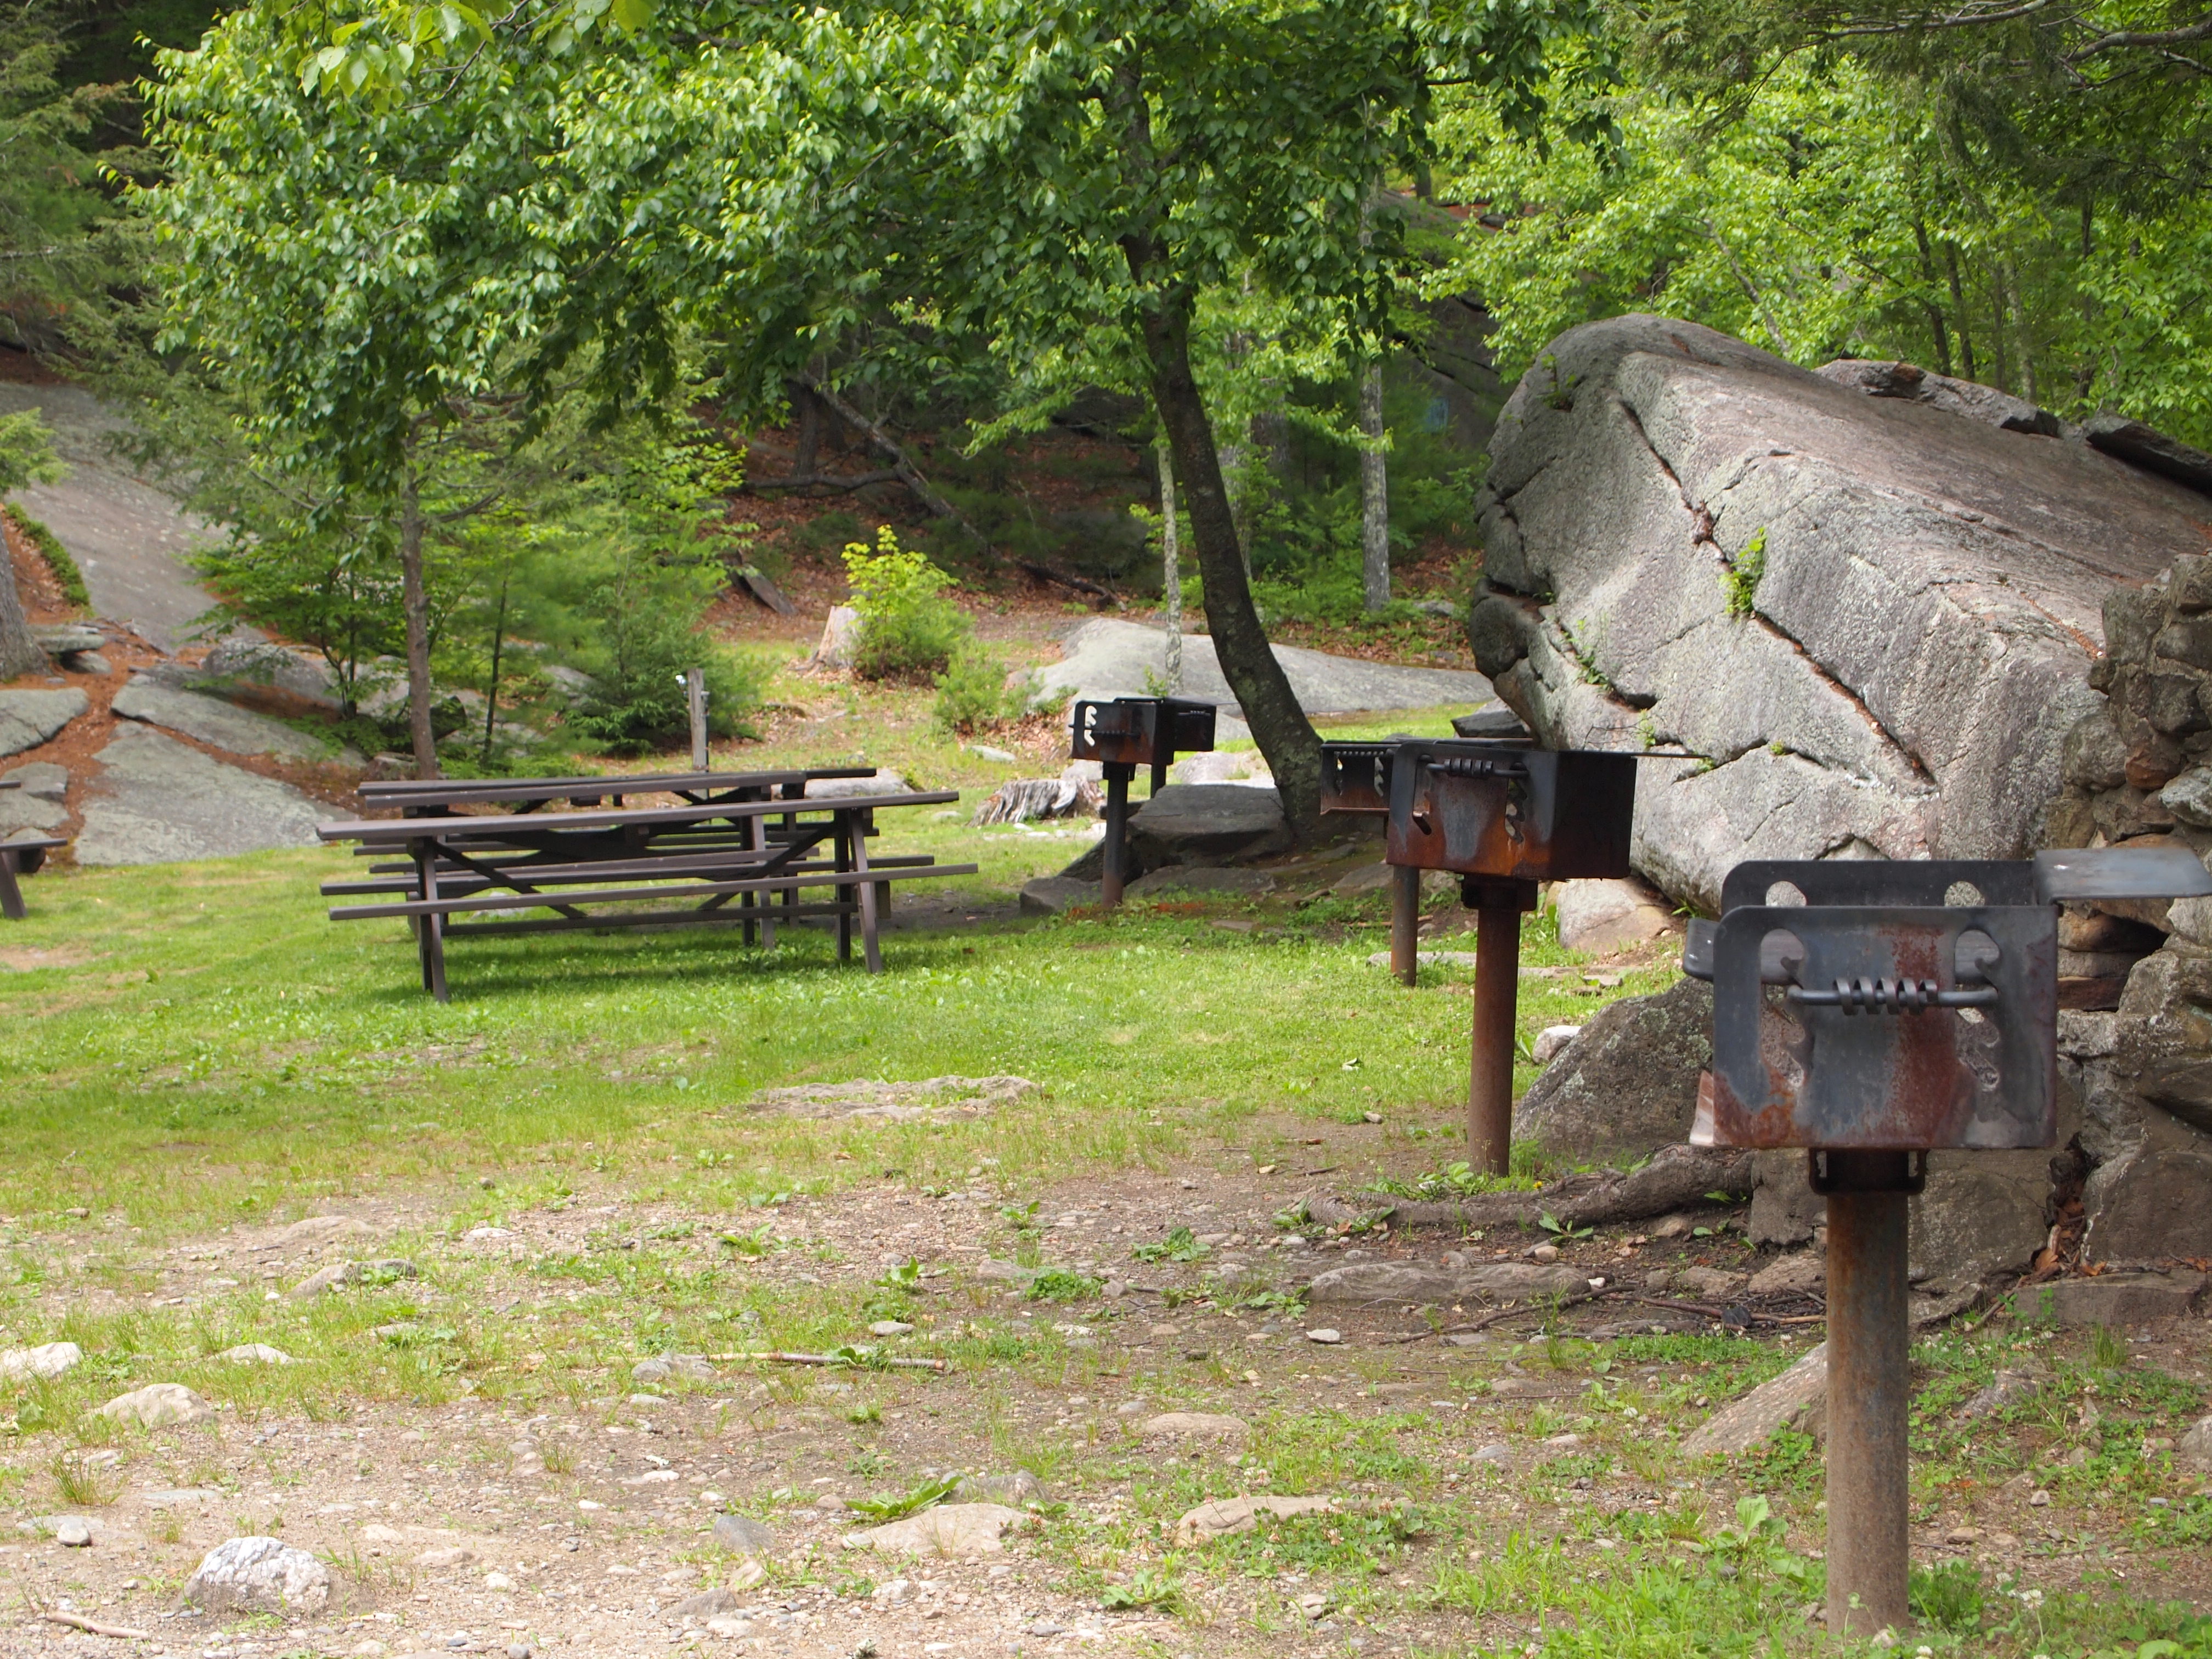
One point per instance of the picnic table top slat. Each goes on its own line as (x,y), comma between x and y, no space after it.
(553,875)
(508,826)
(435,792)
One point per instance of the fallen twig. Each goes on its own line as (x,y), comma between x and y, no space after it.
(76,1623)
(783,1357)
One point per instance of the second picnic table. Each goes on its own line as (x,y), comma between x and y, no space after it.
(751,837)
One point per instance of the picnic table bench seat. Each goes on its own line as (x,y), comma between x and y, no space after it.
(740,848)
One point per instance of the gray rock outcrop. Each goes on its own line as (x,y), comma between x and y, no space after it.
(156,800)
(259,1575)
(1627,1085)
(28,717)
(1208,824)
(222,725)
(39,799)
(1870,619)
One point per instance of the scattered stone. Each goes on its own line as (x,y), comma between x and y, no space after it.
(497,1581)
(87,662)
(1628,1084)
(1793,1275)
(341,1273)
(212,721)
(158,1406)
(1326,1335)
(178,1496)
(1783,1402)
(1195,1425)
(949,1529)
(1674,1226)
(73,1532)
(1608,915)
(729,1626)
(1546,1253)
(890,1328)
(830,1503)
(691,1367)
(255,1353)
(1019,1489)
(317,1232)
(707,1604)
(2009,1388)
(1199,879)
(49,1359)
(1550,1040)
(1049,896)
(155,800)
(455,1555)
(1219,1517)
(2111,1299)
(2196,1447)
(259,1575)
(931,1096)
(1495,1452)
(741,1534)
(28,718)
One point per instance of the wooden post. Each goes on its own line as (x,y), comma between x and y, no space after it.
(694,684)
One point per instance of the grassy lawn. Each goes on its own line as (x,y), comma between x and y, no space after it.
(564,1175)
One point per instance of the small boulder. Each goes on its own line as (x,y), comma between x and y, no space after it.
(1207,823)
(1222,1516)
(1550,1040)
(2111,1299)
(2196,1447)
(687,1367)
(259,1575)
(1793,1275)
(707,1604)
(255,1353)
(1383,1281)
(1628,1084)
(1785,1401)
(949,1529)
(158,1406)
(453,1555)
(48,1359)
(2009,1388)
(1047,895)
(1609,916)
(73,1532)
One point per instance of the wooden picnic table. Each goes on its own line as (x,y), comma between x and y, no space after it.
(24,856)
(707,853)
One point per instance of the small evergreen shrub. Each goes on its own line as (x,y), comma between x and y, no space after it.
(972,690)
(908,627)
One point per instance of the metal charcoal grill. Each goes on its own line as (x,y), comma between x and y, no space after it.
(1884,1012)
(1123,735)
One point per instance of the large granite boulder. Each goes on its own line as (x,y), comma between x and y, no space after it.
(214,721)
(1870,619)
(28,718)
(1207,823)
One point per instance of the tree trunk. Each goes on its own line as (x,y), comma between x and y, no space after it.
(1373,493)
(19,654)
(1285,736)
(1171,567)
(414,598)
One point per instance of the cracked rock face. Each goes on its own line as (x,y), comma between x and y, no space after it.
(1870,617)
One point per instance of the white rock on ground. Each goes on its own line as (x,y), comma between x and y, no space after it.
(158,1406)
(156,802)
(1221,1517)
(255,1353)
(1608,916)
(259,1575)
(1550,1040)
(48,1360)
(951,1530)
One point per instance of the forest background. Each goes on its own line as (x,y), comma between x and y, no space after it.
(498,385)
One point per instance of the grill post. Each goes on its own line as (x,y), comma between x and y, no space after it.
(1114,867)
(1869,1389)
(1498,906)
(1405,922)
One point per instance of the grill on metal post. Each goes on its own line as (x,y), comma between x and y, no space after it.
(1123,735)
(1504,817)
(1887,1010)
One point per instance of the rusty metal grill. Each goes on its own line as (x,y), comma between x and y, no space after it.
(1122,735)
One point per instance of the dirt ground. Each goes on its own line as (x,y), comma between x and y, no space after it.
(579,1523)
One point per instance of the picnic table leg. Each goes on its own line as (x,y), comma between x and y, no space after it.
(844,856)
(11,896)
(431,940)
(868,917)
(749,838)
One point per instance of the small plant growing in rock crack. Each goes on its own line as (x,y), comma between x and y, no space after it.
(1178,1246)
(1740,579)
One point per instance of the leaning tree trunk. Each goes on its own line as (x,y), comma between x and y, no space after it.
(415,599)
(1285,736)
(1374,494)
